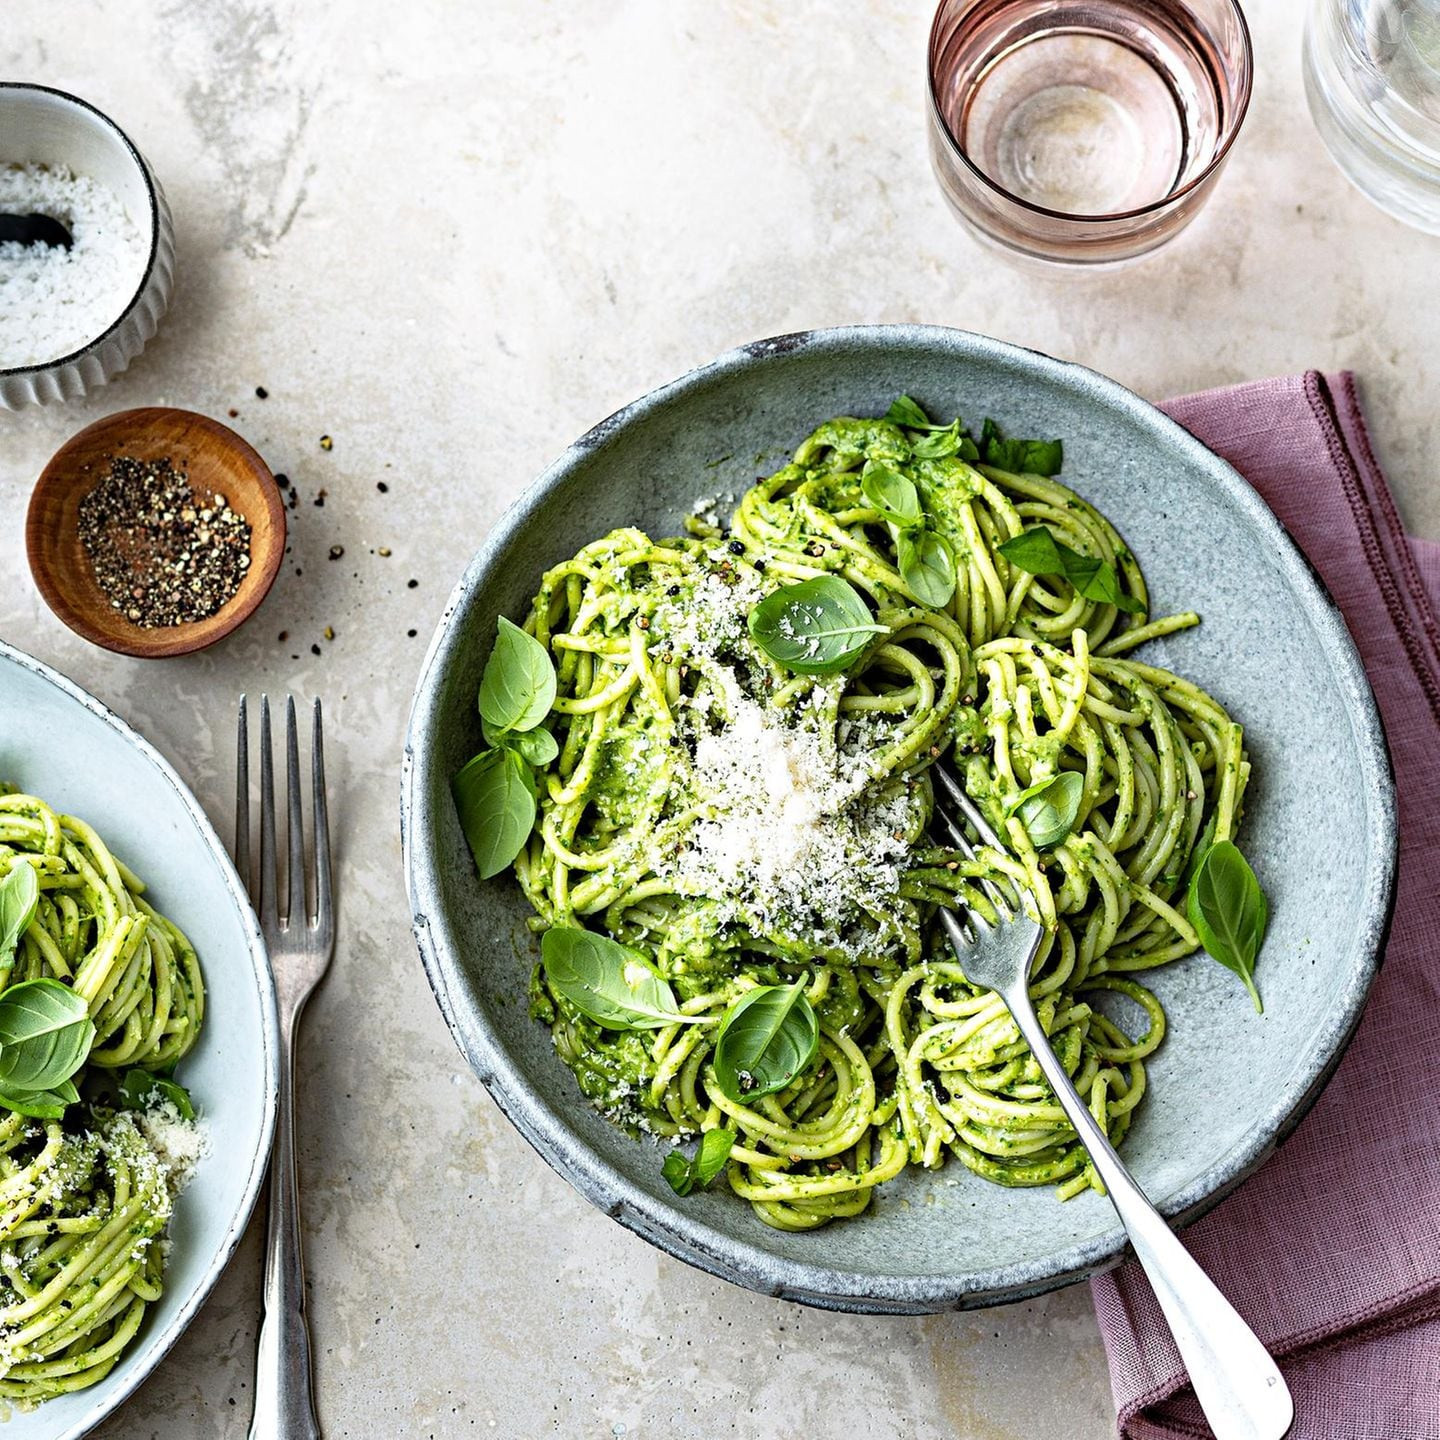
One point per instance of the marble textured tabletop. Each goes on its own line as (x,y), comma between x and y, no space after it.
(452,236)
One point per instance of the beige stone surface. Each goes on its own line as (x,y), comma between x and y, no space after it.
(452,236)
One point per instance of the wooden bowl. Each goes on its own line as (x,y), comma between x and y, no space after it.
(217,460)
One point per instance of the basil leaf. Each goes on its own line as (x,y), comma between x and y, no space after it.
(940,444)
(766,1039)
(904,411)
(891,494)
(140,1089)
(1020,457)
(1096,580)
(1048,809)
(1035,551)
(684,1174)
(518,686)
(1228,910)
(45,1035)
(495,797)
(41,1104)
(927,567)
(814,628)
(617,987)
(537,746)
(1038,552)
(19,899)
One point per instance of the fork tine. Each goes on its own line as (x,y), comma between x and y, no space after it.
(997,896)
(242,801)
(320,816)
(295,822)
(967,807)
(268,884)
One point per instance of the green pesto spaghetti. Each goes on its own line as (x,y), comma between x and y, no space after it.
(90,1161)
(694,820)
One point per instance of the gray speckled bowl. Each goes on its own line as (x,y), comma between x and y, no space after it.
(1225,1087)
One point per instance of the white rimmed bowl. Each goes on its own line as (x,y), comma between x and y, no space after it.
(42,126)
(66,747)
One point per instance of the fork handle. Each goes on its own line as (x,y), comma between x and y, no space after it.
(1239,1386)
(284,1395)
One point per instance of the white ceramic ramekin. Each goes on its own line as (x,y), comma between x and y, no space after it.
(42,126)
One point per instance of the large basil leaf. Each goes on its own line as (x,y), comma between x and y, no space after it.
(684,1174)
(1049,808)
(19,899)
(1228,910)
(615,986)
(926,566)
(767,1038)
(895,497)
(495,797)
(518,686)
(814,628)
(45,1035)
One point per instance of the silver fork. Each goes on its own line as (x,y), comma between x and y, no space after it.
(300,946)
(1239,1387)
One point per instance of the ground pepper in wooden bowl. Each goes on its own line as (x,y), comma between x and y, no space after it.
(163,553)
(155,532)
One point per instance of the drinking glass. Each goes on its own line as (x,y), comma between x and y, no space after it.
(1084,131)
(1372,77)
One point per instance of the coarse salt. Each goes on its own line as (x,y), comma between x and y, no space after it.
(54,301)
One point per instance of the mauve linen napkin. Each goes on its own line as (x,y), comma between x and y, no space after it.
(1332,1250)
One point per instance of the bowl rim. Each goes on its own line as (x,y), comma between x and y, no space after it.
(152,196)
(172,641)
(742,1262)
(137,1365)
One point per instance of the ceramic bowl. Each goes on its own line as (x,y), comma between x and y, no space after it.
(1227,1084)
(42,126)
(66,747)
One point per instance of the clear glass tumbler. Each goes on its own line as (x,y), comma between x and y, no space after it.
(1372,77)
(1084,131)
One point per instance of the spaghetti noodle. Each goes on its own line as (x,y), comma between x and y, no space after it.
(741,825)
(84,1201)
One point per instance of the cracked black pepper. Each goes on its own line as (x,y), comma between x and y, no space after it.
(162,553)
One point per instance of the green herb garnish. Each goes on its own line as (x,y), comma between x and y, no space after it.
(518,686)
(45,1036)
(926,566)
(684,1174)
(19,898)
(1019,457)
(495,796)
(495,792)
(767,1038)
(1049,808)
(816,627)
(1038,552)
(617,987)
(1227,907)
(140,1089)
